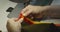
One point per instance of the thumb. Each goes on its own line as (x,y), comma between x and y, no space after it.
(20,20)
(27,13)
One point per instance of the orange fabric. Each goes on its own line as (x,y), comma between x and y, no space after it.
(57,24)
(25,19)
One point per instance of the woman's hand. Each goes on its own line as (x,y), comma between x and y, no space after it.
(33,9)
(13,25)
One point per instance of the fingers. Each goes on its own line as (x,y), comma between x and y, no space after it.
(20,20)
(27,13)
(11,20)
(14,20)
(13,26)
(24,10)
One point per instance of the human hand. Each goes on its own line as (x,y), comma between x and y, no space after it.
(33,9)
(13,25)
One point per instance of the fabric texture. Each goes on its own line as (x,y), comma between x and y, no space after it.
(44,27)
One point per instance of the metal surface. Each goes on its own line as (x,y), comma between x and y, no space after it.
(19,1)
(16,11)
